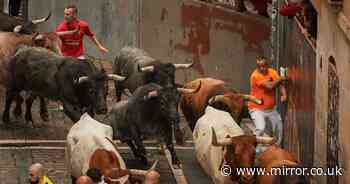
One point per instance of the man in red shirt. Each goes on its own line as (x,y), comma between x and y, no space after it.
(72,31)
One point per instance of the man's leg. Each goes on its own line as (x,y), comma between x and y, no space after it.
(258,118)
(277,125)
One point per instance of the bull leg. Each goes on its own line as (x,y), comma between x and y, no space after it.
(141,151)
(29,103)
(44,114)
(170,146)
(9,97)
(18,109)
(118,90)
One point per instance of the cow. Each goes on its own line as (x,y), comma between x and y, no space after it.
(216,93)
(79,85)
(140,68)
(151,111)
(90,145)
(9,41)
(221,147)
(276,158)
(18,25)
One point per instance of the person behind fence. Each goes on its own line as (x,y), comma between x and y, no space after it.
(263,82)
(72,44)
(36,175)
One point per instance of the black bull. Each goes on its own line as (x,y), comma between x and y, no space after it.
(78,84)
(14,24)
(140,68)
(152,111)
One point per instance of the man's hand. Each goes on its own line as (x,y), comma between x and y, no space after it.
(102,49)
(283,98)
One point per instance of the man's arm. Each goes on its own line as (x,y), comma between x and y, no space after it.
(272,84)
(283,93)
(98,44)
(62,33)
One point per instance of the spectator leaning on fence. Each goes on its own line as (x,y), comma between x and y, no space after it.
(72,44)
(36,175)
(263,82)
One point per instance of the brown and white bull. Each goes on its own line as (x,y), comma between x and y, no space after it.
(216,93)
(221,145)
(89,145)
(278,159)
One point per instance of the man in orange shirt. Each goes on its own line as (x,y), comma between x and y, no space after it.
(263,82)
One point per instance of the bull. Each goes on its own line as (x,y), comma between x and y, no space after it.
(79,85)
(94,149)
(221,145)
(151,111)
(9,41)
(216,93)
(18,25)
(140,68)
(276,158)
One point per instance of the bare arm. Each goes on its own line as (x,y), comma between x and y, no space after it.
(283,93)
(98,44)
(272,84)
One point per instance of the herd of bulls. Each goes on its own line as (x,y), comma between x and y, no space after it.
(32,62)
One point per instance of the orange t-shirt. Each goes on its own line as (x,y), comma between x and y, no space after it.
(260,92)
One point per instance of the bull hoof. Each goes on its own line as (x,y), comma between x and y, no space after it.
(45,116)
(6,119)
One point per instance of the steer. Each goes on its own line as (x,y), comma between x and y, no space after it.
(216,93)
(152,110)
(18,25)
(275,161)
(140,68)
(220,145)
(94,149)
(78,84)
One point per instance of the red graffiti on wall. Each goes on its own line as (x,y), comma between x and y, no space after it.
(199,20)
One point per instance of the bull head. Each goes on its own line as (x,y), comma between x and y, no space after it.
(228,141)
(177,66)
(135,172)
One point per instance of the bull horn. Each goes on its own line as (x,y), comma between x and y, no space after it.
(221,142)
(38,36)
(151,94)
(114,145)
(146,69)
(38,21)
(189,91)
(252,99)
(116,77)
(83,79)
(265,140)
(17,29)
(183,66)
(139,172)
(216,98)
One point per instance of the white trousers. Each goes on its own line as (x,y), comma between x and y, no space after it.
(259,117)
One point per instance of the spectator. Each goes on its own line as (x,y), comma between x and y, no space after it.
(72,44)
(263,82)
(37,176)
(84,180)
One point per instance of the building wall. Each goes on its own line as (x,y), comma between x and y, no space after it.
(332,42)
(222,43)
